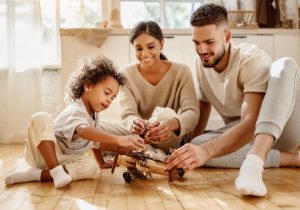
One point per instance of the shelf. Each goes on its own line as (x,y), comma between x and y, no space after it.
(298,17)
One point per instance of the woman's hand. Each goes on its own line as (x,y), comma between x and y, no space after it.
(138,127)
(158,132)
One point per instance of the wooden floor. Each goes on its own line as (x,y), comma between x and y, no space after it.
(201,189)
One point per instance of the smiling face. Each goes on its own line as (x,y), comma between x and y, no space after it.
(98,97)
(147,49)
(211,44)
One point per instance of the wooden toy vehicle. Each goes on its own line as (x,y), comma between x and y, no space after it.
(140,165)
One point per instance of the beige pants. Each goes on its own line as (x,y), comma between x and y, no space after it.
(40,129)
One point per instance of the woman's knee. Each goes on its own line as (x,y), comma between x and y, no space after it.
(162,114)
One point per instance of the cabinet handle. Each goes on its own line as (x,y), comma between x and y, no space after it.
(239,36)
(169,36)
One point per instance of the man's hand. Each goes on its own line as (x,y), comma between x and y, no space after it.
(188,157)
(133,142)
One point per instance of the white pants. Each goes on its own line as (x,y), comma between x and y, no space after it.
(40,129)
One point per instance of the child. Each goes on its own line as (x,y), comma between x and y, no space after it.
(55,152)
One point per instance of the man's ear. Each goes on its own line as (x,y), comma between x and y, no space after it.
(227,35)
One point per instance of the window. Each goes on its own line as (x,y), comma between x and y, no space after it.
(169,13)
(178,13)
(80,14)
(28,34)
(29,29)
(3,35)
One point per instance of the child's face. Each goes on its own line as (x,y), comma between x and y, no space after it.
(100,95)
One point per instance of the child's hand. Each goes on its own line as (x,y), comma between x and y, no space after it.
(132,142)
(138,127)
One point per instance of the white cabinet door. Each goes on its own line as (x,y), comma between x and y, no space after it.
(287,45)
(263,41)
(75,51)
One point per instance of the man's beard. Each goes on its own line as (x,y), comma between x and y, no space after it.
(217,59)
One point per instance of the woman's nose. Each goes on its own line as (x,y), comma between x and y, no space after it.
(145,53)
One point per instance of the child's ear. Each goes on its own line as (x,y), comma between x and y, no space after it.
(87,86)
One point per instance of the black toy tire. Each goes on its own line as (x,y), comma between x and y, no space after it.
(180,172)
(127,177)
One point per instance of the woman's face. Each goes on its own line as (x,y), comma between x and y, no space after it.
(147,49)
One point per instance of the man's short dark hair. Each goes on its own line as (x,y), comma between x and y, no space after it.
(208,14)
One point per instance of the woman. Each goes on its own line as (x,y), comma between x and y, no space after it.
(158,89)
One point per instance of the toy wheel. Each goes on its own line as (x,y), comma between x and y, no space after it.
(127,177)
(180,172)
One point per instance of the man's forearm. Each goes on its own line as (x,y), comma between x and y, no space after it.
(231,140)
(205,109)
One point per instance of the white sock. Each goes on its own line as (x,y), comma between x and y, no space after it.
(60,176)
(29,175)
(249,181)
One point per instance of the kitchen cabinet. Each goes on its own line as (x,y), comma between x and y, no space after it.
(287,45)
(263,41)
(75,50)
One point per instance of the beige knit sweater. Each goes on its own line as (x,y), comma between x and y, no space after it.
(176,91)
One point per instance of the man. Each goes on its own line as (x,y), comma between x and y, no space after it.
(231,78)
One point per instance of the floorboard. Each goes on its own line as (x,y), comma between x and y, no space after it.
(203,188)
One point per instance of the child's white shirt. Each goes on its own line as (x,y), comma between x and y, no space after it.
(73,115)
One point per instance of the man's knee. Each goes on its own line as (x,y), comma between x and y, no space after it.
(284,66)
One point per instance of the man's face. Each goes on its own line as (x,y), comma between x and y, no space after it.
(210,44)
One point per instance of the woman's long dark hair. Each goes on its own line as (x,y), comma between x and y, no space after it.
(147,27)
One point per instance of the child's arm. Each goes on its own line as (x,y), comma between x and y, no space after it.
(99,158)
(133,142)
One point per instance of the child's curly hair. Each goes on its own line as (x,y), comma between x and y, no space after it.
(91,72)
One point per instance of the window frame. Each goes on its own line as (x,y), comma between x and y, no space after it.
(162,22)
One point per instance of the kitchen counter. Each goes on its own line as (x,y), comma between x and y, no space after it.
(234,31)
